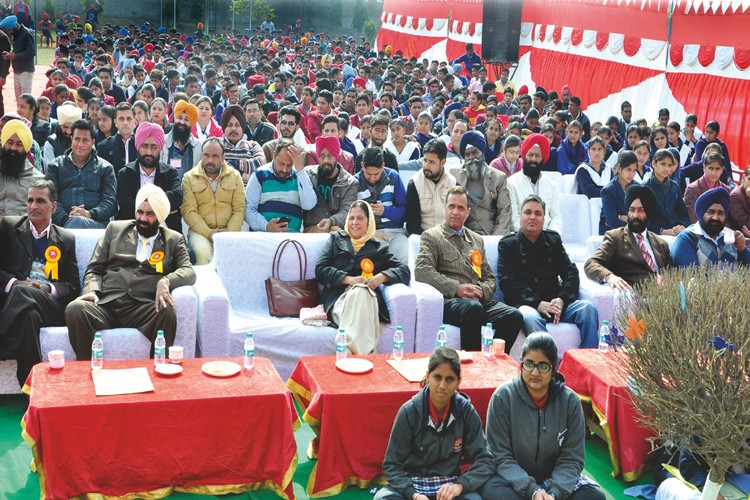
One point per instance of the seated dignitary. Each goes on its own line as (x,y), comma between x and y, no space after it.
(530,464)
(384,190)
(335,188)
(147,169)
(86,184)
(452,259)
(536,275)
(427,190)
(351,269)
(708,241)
(431,435)
(16,172)
(279,191)
(213,199)
(128,281)
(631,254)
(488,191)
(38,277)
(531,180)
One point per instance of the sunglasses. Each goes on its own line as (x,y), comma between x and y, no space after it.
(542,366)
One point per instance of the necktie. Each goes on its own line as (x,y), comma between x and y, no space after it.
(646,255)
(143,250)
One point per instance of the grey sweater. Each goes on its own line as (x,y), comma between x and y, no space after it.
(417,449)
(531,444)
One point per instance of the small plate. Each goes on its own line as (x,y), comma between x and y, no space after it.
(221,368)
(168,369)
(465,356)
(354,365)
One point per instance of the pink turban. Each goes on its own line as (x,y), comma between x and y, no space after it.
(146,130)
(331,143)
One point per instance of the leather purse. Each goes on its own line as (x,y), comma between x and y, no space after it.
(286,298)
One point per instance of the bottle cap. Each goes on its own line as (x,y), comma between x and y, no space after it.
(98,335)
(160,333)
(605,323)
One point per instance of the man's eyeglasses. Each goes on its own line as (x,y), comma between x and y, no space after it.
(285,123)
(542,366)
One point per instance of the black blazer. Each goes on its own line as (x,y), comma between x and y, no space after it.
(17,256)
(112,149)
(129,182)
(117,93)
(339,260)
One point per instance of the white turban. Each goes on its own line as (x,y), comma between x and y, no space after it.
(68,113)
(157,198)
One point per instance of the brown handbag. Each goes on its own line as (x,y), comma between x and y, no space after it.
(286,298)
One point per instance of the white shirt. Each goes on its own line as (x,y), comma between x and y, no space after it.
(149,244)
(146,178)
(649,249)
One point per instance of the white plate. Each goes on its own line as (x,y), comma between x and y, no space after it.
(221,368)
(354,365)
(465,356)
(168,369)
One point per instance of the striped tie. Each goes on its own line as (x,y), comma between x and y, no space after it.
(646,255)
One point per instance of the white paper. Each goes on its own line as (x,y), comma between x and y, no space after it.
(412,370)
(125,381)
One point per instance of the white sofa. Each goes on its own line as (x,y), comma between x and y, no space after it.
(576,218)
(430,309)
(119,343)
(232,298)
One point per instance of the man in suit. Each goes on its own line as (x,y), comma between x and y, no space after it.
(38,277)
(630,254)
(128,281)
(452,259)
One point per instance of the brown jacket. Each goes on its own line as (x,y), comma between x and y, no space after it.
(492,214)
(114,271)
(621,255)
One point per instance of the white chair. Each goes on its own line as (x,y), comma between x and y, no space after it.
(576,224)
(569,182)
(232,298)
(595,210)
(557,180)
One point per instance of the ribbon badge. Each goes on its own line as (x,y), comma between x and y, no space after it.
(156,261)
(476,262)
(52,254)
(367,268)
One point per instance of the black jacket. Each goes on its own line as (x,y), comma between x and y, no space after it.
(112,149)
(4,47)
(529,273)
(25,49)
(117,93)
(40,131)
(339,260)
(129,182)
(263,133)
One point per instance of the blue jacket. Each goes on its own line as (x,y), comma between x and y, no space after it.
(613,205)
(670,207)
(700,147)
(390,191)
(569,157)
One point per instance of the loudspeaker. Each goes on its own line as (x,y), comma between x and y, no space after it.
(501,30)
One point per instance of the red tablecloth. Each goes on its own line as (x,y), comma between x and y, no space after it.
(353,414)
(598,378)
(194,433)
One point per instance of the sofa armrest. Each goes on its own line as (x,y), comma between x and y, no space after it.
(186,308)
(213,313)
(601,295)
(429,316)
(402,307)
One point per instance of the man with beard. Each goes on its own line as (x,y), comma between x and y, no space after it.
(426,191)
(33,290)
(487,187)
(378,136)
(708,241)
(335,188)
(135,266)
(86,184)
(16,172)
(147,169)
(279,191)
(383,189)
(331,128)
(288,125)
(631,254)
(242,154)
(213,199)
(181,150)
(59,142)
(536,276)
(119,150)
(535,151)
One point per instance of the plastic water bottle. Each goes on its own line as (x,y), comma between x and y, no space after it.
(442,337)
(160,349)
(97,352)
(398,344)
(341,352)
(249,351)
(487,336)
(604,337)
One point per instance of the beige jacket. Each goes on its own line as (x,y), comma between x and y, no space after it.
(204,210)
(492,214)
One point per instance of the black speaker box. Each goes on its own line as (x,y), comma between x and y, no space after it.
(501,30)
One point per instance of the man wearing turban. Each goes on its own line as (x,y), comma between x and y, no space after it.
(59,142)
(631,254)
(181,149)
(22,57)
(708,241)
(127,284)
(16,172)
(242,154)
(147,169)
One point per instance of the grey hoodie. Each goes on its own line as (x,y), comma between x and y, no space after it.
(531,444)
(417,449)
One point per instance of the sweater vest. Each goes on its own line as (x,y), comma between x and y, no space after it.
(280,198)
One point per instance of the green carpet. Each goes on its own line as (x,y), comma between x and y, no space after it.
(18,482)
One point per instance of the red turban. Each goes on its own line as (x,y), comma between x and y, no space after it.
(524,90)
(331,143)
(359,81)
(536,140)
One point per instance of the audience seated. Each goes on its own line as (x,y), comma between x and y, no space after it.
(671,215)
(17,173)
(428,189)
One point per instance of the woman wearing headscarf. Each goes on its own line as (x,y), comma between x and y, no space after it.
(351,269)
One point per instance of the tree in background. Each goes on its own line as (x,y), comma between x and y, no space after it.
(335,13)
(255,10)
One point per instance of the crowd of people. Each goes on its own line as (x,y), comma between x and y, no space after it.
(294,131)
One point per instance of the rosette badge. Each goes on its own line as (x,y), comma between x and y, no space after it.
(367,268)
(156,261)
(476,262)
(52,254)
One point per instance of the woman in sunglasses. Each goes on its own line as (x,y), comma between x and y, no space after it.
(536,432)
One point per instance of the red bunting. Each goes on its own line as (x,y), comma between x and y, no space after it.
(675,54)
(631,45)
(542,32)
(415,22)
(557,34)
(576,37)
(403,21)
(429,24)
(706,55)
(742,57)
(472,28)
(602,39)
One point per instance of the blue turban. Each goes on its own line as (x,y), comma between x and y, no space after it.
(141,51)
(88,38)
(189,39)
(473,138)
(450,107)
(144,27)
(124,32)
(162,30)
(716,195)
(8,23)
